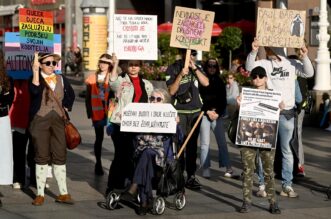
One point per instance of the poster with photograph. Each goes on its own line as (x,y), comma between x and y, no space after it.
(258,118)
(280,27)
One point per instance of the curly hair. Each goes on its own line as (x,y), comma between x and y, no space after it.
(4,79)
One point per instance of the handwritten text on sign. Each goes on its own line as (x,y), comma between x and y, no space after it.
(280,27)
(36,30)
(192,28)
(18,63)
(135,37)
(149,118)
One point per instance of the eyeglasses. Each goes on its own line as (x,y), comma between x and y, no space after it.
(49,63)
(211,66)
(255,76)
(158,99)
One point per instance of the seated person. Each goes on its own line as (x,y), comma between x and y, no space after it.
(151,150)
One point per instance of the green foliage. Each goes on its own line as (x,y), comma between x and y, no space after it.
(167,53)
(230,39)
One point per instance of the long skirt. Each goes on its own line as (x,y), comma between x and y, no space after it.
(6,152)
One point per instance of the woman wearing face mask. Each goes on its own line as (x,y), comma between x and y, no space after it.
(47,125)
(97,100)
(214,105)
(129,88)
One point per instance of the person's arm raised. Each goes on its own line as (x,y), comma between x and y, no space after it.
(35,70)
(173,88)
(114,73)
(203,79)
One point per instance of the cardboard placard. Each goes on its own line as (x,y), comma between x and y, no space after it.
(149,118)
(192,28)
(135,37)
(280,27)
(18,63)
(36,30)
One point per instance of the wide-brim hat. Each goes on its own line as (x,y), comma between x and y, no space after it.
(42,56)
(104,59)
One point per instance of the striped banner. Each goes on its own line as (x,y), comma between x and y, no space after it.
(36,30)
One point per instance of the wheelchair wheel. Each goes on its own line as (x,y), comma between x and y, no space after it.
(112,200)
(179,200)
(158,205)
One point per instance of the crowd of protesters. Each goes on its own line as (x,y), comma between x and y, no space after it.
(191,90)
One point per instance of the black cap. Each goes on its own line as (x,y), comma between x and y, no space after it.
(258,71)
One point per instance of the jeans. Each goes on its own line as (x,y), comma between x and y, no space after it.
(301,115)
(218,129)
(285,132)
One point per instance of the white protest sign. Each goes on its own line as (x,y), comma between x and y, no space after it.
(258,118)
(280,27)
(135,37)
(192,28)
(149,118)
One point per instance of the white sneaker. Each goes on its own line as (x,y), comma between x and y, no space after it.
(261,193)
(16,185)
(47,186)
(288,191)
(49,172)
(206,173)
(328,128)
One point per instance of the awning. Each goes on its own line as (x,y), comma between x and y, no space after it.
(9,9)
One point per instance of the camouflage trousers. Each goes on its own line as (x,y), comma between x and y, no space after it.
(248,156)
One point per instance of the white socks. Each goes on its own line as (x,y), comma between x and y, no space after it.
(41,174)
(61,178)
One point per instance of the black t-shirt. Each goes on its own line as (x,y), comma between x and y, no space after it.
(189,81)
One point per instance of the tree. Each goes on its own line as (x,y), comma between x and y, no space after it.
(230,39)
(167,53)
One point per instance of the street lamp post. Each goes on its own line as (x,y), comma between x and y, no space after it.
(322,78)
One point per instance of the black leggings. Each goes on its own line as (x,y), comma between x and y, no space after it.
(99,134)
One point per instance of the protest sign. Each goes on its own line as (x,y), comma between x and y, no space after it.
(149,118)
(18,63)
(280,27)
(258,118)
(192,28)
(135,37)
(36,30)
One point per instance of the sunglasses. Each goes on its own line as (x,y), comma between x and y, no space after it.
(158,99)
(49,63)
(194,53)
(211,66)
(260,76)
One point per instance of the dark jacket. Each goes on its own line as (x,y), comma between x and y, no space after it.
(37,91)
(214,95)
(6,99)
(189,82)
